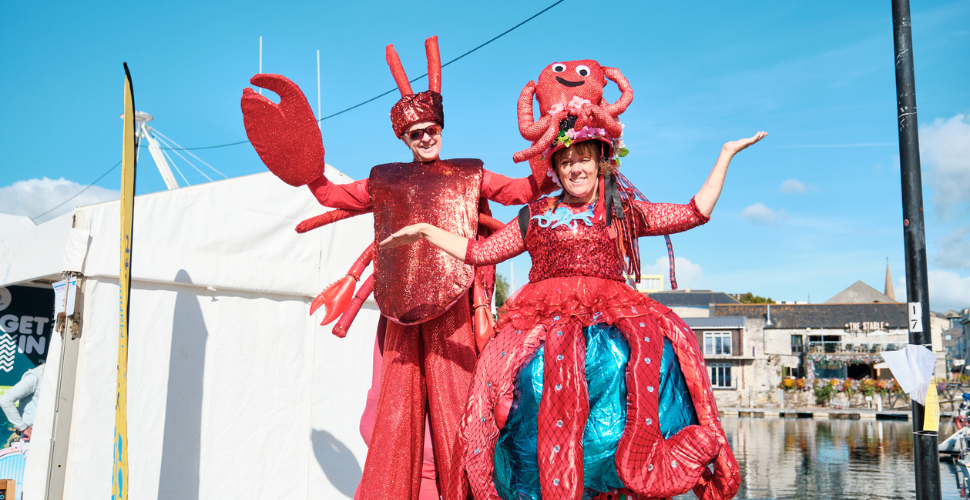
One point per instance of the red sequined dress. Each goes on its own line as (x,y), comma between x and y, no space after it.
(576,281)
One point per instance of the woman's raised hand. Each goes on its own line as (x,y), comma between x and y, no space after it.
(707,197)
(405,236)
(734,147)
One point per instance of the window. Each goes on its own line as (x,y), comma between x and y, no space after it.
(720,374)
(717,343)
(831,370)
(796,344)
(949,337)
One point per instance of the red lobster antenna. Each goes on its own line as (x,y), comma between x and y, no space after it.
(434,64)
(434,67)
(400,77)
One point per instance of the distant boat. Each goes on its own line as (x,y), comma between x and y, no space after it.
(956,446)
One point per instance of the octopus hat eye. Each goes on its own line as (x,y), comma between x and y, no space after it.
(558,67)
(582,70)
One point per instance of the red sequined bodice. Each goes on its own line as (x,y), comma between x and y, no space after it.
(573,248)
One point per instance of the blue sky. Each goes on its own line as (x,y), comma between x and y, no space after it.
(805,213)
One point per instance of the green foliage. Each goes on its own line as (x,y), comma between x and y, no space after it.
(501,290)
(823,392)
(750,298)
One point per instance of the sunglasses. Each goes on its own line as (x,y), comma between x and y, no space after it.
(432,130)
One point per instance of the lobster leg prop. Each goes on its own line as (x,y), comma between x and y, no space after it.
(335,297)
(340,329)
(483,326)
(328,218)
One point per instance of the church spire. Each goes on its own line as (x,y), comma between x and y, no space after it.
(889,283)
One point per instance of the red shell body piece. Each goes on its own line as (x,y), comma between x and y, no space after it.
(415,283)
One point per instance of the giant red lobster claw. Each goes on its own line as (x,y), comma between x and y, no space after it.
(285,135)
(569,88)
(337,296)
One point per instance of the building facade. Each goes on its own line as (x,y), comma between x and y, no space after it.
(735,362)
(830,340)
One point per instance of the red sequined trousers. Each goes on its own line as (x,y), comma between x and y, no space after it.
(576,281)
(427,367)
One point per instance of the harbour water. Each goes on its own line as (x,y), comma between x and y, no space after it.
(786,458)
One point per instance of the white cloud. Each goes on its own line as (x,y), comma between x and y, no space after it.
(954,249)
(945,147)
(792,186)
(689,274)
(33,197)
(948,290)
(762,215)
(899,288)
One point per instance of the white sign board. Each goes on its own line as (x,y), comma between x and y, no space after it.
(915,317)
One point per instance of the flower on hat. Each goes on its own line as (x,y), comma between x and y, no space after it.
(574,105)
(555,178)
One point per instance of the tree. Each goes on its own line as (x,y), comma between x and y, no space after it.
(501,290)
(750,298)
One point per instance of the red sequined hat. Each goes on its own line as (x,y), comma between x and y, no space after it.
(423,106)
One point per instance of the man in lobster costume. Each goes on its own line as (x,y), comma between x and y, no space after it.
(430,348)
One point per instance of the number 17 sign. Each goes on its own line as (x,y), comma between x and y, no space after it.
(915,317)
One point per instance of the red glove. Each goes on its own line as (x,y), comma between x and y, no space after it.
(286,135)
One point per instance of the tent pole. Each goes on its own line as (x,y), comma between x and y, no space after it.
(64,395)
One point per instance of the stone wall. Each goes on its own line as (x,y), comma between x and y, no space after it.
(727,398)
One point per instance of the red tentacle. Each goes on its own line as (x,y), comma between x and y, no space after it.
(626,96)
(539,146)
(727,477)
(528,127)
(328,218)
(585,117)
(400,77)
(605,120)
(490,222)
(340,329)
(434,64)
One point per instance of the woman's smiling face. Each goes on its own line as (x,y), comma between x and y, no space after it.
(578,172)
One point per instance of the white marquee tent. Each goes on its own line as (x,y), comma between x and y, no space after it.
(233,390)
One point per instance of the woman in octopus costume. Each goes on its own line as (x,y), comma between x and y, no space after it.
(590,389)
